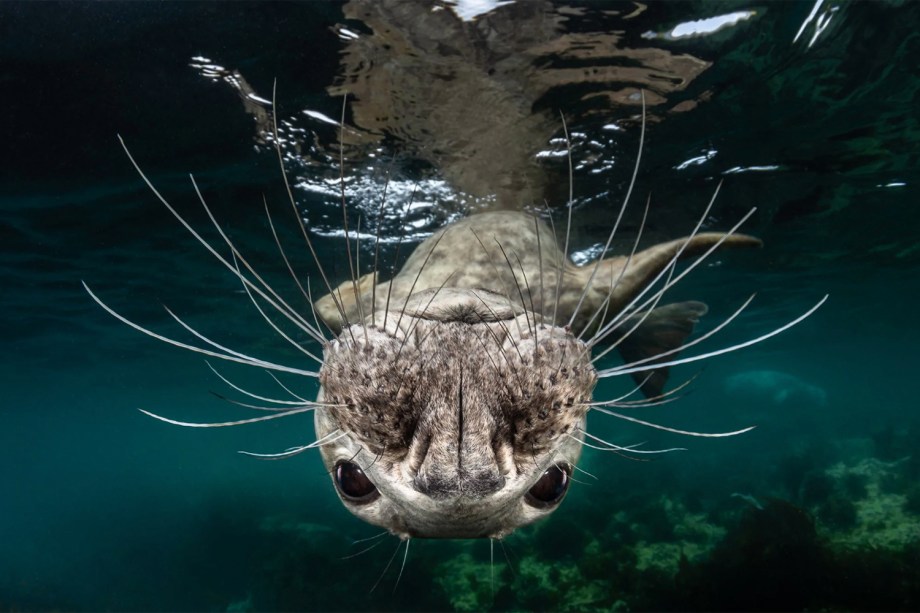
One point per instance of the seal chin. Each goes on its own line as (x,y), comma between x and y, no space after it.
(460,516)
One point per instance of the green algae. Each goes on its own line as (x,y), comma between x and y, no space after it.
(882,518)
(468,584)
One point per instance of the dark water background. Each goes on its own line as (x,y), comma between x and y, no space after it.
(103,508)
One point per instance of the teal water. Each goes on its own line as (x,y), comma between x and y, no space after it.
(103,508)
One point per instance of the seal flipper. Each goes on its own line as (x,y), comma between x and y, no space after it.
(619,279)
(664,328)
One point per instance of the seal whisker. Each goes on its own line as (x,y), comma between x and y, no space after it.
(517,284)
(315,316)
(387,567)
(492,568)
(614,285)
(574,467)
(209,341)
(240,403)
(402,311)
(286,388)
(649,402)
(366,549)
(298,402)
(649,307)
(643,402)
(676,350)
(414,324)
(616,225)
(536,227)
(278,303)
(508,337)
(358,271)
(628,448)
(380,534)
(289,453)
(351,265)
(612,449)
(419,342)
(198,236)
(495,366)
(358,246)
(631,308)
(275,327)
(568,226)
(376,457)
(237,357)
(558,266)
(533,309)
(624,450)
(671,280)
(383,200)
(621,371)
(668,269)
(300,223)
(227,424)
(674,430)
(498,276)
(582,470)
(399,242)
(675,390)
(501,543)
(403,566)
(351,459)
(623,398)
(427,306)
(320,336)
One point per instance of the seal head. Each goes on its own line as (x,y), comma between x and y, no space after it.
(460,417)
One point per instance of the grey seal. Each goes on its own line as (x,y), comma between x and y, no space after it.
(453,397)
(465,404)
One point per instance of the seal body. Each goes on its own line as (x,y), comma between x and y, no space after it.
(456,392)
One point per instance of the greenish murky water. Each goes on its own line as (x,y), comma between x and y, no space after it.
(806,111)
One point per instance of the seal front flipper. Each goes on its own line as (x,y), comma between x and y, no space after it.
(344,298)
(661,330)
(621,278)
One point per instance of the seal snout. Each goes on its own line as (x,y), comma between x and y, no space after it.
(453,452)
(453,461)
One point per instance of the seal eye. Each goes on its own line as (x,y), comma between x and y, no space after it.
(549,490)
(353,484)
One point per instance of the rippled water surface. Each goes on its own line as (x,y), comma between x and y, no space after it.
(806,111)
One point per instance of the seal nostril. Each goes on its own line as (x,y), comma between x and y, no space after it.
(472,485)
